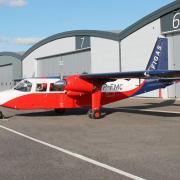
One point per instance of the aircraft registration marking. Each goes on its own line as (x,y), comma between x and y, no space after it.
(121,85)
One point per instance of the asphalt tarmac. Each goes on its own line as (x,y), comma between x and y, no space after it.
(136,139)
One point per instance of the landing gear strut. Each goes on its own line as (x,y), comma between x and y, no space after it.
(94,114)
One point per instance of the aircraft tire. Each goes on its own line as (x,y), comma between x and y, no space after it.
(60,111)
(96,114)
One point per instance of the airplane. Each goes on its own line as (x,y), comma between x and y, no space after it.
(92,90)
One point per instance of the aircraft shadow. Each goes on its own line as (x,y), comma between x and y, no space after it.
(108,111)
(170,102)
(139,109)
(134,111)
(53,113)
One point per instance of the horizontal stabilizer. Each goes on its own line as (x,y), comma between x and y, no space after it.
(169,79)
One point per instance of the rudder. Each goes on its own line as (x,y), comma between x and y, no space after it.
(159,56)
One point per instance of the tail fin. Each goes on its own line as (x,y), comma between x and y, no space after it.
(159,56)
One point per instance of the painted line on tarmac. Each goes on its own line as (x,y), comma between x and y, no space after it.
(4,119)
(89,160)
(151,110)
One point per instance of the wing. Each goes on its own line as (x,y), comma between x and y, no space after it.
(157,74)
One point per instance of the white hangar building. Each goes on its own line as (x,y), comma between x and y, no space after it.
(99,51)
(10,69)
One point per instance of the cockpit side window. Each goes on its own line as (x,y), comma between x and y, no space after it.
(54,87)
(41,87)
(24,86)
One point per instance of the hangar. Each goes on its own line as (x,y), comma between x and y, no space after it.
(137,42)
(10,69)
(92,51)
(73,52)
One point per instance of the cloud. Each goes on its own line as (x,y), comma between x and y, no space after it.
(13,3)
(17,3)
(29,41)
(4,40)
(3,2)
(17,44)
(26,41)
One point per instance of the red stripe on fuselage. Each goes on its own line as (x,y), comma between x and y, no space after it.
(62,100)
(47,101)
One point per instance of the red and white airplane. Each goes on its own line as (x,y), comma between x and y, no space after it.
(91,90)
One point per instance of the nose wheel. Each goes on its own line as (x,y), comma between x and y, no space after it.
(94,114)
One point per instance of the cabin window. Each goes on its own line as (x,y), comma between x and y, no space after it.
(41,87)
(54,87)
(24,86)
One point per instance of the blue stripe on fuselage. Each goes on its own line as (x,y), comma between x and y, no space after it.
(150,85)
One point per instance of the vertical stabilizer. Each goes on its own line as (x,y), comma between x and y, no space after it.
(159,56)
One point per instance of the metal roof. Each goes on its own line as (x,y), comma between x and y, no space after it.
(94,33)
(12,54)
(149,18)
(116,36)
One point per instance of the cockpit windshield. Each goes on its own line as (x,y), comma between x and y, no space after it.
(24,86)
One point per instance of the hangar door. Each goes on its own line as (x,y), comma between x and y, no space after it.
(68,64)
(6,77)
(174,62)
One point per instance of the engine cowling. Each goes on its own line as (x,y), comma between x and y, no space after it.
(76,84)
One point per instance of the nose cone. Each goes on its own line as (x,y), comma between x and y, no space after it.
(6,97)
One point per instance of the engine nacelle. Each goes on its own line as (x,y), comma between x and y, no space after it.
(74,83)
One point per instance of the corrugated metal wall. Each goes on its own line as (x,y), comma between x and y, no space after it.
(68,64)
(105,55)
(136,50)
(6,77)
(10,69)
(17,65)
(174,62)
(58,46)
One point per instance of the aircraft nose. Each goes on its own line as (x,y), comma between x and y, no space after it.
(5,96)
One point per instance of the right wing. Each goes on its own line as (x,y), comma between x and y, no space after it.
(157,74)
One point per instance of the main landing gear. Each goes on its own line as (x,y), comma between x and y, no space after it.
(94,114)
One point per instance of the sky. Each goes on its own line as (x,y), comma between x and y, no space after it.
(25,22)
